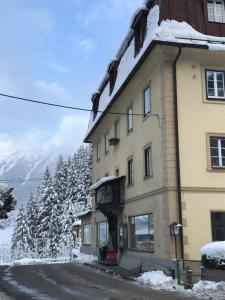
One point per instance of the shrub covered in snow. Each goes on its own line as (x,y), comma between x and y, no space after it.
(213,255)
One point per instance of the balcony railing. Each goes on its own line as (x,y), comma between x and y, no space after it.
(110,193)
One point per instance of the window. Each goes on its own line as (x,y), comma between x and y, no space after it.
(217,151)
(117,173)
(87,234)
(215,84)
(218,226)
(142,232)
(116,129)
(130,119)
(147,101)
(98,150)
(130,172)
(102,234)
(216,12)
(139,25)
(148,163)
(107,142)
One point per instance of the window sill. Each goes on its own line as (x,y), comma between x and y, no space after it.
(142,250)
(216,169)
(147,177)
(145,117)
(216,22)
(130,185)
(129,132)
(215,100)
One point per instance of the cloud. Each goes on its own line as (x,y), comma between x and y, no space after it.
(108,10)
(70,133)
(67,137)
(87,44)
(59,68)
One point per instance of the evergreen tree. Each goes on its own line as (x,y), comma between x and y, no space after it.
(7,202)
(46,200)
(19,248)
(32,223)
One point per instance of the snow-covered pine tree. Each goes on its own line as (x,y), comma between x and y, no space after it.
(46,201)
(57,214)
(19,245)
(32,223)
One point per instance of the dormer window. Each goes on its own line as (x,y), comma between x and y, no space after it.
(216,11)
(112,71)
(95,101)
(139,26)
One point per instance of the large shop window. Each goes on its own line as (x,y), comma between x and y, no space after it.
(87,234)
(218,226)
(216,11)
(217,149)
(215,85)
(102,234)
(142,231)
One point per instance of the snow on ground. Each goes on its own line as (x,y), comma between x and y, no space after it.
(203,289)
(27,261)
(83,258)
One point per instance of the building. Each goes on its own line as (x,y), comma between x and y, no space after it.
(158,134)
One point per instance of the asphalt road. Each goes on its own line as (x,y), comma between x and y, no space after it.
(72,281)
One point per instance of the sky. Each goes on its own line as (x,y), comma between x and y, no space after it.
(56,51)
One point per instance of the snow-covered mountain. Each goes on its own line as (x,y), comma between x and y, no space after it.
(24,171)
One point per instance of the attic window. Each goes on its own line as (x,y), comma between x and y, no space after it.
(139,26)
(112,71)
(216,11)
(95,101)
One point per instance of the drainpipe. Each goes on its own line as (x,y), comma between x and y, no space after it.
(178,150)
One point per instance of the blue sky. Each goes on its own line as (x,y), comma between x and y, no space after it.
(55,50)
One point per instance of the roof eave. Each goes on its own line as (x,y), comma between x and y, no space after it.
(143,57)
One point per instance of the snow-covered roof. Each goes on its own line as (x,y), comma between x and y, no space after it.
(77,223)
(170,31)
(83,213)
(214,250)
(101,181)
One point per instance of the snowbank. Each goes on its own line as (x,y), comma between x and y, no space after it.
(83,258)
(204,289)
(159,280)
(214,250)
(27,261)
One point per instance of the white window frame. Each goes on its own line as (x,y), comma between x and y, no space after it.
(117,128)
(148,161)
(130,171)
(151,232)
(213,15)
(130,112)
(216,96)
(107,142)
(147,101)
(220,148)
(87,240)
(99,225)
(98,150)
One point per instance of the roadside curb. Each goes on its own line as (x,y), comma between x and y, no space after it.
(108,271)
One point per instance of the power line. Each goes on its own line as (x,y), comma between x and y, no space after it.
(70,107)
(18,180)
(60,105)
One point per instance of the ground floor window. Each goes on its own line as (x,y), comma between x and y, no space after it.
(102,234)
(142,232)
(87,234)
(218,226)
